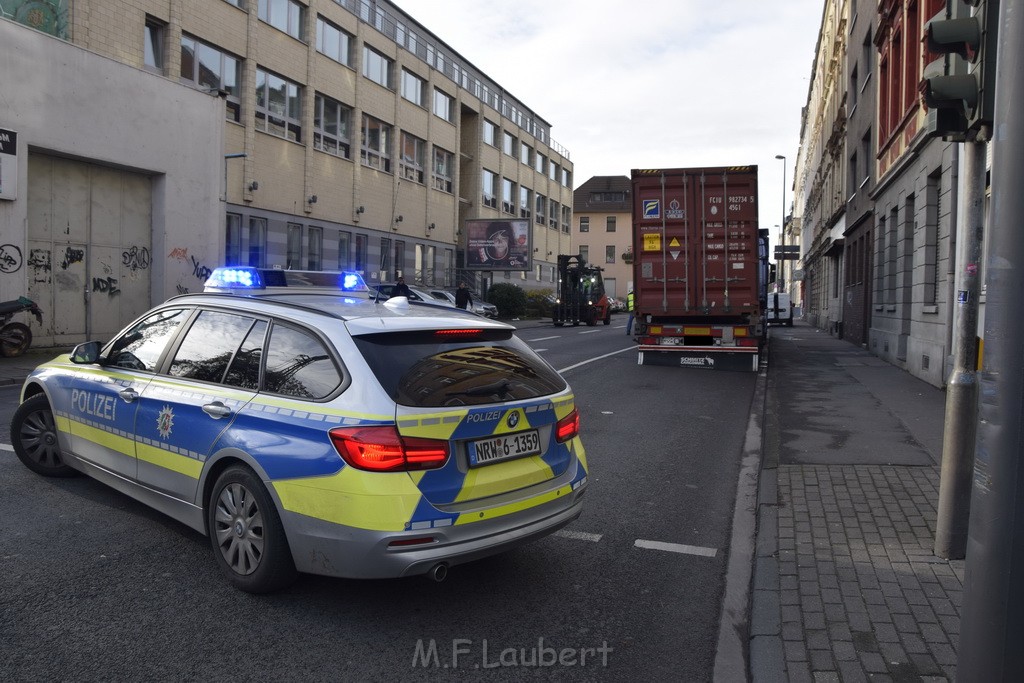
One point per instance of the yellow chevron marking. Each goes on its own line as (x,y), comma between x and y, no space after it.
(379,501)
(501,510)
(501,477)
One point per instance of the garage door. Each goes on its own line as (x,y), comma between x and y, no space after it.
(89,231)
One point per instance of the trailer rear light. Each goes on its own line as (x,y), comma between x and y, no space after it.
(383,449)
(568,427)
(746,341)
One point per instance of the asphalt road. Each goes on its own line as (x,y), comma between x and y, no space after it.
(94,585)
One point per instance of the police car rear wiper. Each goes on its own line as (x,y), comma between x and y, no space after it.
(500,388)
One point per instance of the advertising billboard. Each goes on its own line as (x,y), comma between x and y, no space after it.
(498,245)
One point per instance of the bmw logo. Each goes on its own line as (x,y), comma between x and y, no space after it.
(513,420)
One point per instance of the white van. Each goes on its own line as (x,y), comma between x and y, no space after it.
(780,309)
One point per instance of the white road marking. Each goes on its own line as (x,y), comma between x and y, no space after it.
(540,350)
(596,358)
(676,548)
(543,338)
(588,331)
(6,447)
(578,535)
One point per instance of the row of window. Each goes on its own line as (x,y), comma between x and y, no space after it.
(609,253)
(305,250)
(609,224)
(435,57)
(524,202)
(511,146)
(337,44)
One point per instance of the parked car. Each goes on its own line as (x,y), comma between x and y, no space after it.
(416,294)
(303,431)
(616,305)
(479,307)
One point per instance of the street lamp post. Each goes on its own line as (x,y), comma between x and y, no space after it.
(781,285)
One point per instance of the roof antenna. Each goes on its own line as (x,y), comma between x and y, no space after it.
(380,271)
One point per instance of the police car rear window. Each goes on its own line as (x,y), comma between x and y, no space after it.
(435,369)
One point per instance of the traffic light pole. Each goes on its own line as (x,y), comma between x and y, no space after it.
(992,617)
(961,423)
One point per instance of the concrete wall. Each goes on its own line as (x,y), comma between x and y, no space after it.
(911,319)
(66,101)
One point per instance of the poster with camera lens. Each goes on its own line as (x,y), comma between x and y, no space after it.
(498,245)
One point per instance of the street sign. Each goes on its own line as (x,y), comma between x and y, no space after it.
(788,252)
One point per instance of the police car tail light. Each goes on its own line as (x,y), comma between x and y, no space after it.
(383,449)
(568,427)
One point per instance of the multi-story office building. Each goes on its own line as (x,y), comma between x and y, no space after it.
(603,229)
(348,137)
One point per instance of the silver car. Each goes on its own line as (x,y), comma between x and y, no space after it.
(316,431)
(479,307)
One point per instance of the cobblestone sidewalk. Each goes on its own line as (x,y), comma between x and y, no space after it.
(861,594)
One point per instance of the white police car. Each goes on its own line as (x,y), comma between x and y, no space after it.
(318,431)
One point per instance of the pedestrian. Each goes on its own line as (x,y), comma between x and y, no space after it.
(400,288)
(463,298)
(629,307)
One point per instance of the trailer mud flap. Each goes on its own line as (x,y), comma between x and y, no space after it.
(745,361)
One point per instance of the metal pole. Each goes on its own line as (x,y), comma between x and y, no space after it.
(961,422)
(992,617)
(781,285)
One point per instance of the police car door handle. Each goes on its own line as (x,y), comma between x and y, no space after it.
(216,410)
(129,395)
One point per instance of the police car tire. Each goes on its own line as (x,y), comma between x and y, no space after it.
(33,423)
(275,569)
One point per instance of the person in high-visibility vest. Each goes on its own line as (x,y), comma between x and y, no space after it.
(629,307)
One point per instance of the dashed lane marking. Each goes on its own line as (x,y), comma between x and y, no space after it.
(676,548)
(543,338)
(6,447)
(588,331)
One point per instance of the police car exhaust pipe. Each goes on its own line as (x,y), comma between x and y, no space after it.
(438,572)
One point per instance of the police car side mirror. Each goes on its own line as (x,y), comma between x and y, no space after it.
(86,353)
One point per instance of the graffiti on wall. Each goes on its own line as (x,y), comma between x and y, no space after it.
(199,270)
(72,256)
(106,285)
(10,258)
(135,259)
(40,262)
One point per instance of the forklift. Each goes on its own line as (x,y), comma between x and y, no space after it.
(580,296)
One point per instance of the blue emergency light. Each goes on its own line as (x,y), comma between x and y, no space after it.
(235,278)
(351,281)
(249,278)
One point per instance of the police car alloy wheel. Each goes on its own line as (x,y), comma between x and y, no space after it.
(246,533)
(34,436)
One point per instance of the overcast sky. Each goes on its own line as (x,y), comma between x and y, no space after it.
(649,83)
